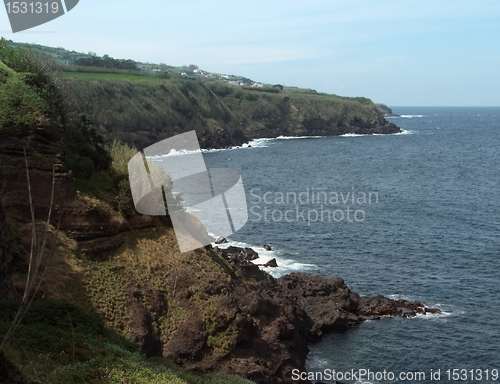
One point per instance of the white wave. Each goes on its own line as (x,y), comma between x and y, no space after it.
(258,143)
(174,152)
(298,137)
(261,143)
(266,141)
(411,116)
(285,265)
(405,132)
(443,314)
(320,362)
(353,135)
(223,149)
(446,310)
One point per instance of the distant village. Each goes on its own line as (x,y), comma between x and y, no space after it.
(194,71)
(91,59)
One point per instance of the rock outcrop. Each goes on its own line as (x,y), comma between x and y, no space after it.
(93,224)
(267,322)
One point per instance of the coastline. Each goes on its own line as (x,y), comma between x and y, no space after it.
(220,140)
(315,305)
(223,315)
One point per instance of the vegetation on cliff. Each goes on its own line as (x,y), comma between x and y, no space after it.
(126,104)
(70,333)
(143,112)
(119,302)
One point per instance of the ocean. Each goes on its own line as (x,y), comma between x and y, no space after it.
(414,215)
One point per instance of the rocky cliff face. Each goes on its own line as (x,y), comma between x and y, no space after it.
(143,113)
(240,320)
(272,115)
(205,311)
(201,309)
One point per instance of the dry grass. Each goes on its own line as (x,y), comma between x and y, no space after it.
(151,249)
(114,217)
(59,273)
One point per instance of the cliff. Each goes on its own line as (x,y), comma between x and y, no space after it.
(385,110)
(202,310)
(143,112)
(111,275)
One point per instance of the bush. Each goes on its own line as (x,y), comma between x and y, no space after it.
(124,199)
(121,154)
(84,148)
(42,75)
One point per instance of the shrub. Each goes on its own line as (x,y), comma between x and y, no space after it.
(42,75)
(121,154)
(124,199)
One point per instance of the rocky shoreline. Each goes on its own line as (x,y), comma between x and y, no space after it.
(222,139)
(225,313)
(287,314)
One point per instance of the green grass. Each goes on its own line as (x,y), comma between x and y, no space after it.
(59,342)
(21,105)
(111,76)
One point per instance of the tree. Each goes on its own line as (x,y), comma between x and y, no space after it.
(278,86)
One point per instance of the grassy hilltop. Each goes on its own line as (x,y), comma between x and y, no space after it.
(143,103)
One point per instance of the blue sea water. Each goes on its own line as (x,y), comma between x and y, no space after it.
(430,233)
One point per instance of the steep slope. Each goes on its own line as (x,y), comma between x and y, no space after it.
(271,112)
(203,309)
(143,112)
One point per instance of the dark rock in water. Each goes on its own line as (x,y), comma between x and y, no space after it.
(271,263)
(221,240)
(328,302)
(232,250)
(249,254)
(237,253)
(331,305)
(267,247)
(383,306)
(222,139)
(431,310)
(269,321)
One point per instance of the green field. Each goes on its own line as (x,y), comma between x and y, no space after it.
(110,76)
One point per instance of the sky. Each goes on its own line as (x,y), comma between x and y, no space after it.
(397,52)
